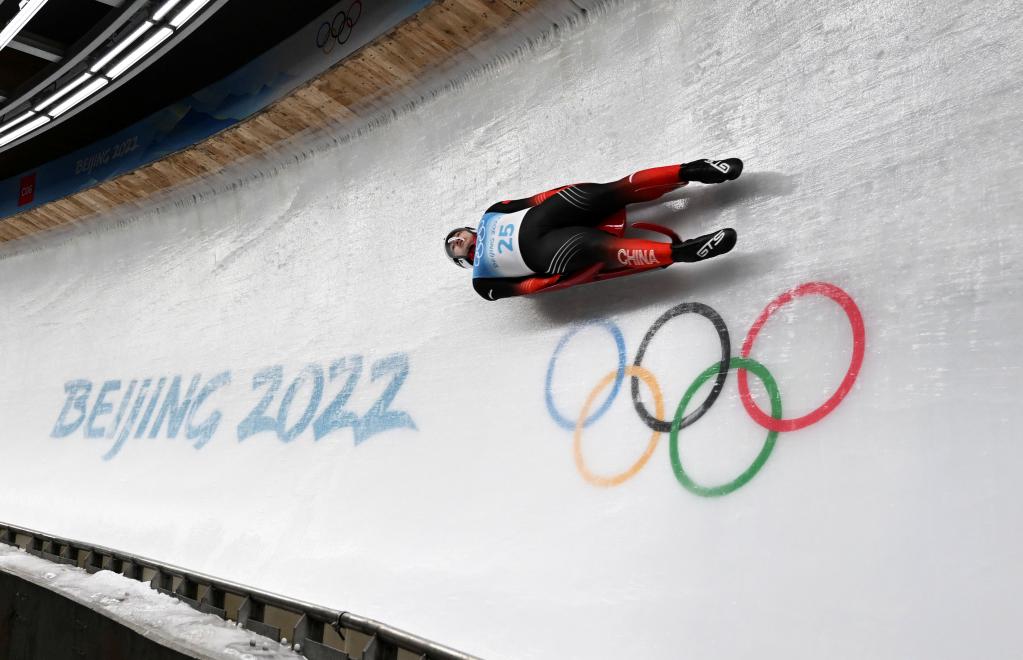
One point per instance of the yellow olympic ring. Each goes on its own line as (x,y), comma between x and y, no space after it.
(616,479)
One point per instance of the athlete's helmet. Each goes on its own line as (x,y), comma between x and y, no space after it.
(453,242)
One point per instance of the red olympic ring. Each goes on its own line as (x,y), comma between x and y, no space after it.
(859,348)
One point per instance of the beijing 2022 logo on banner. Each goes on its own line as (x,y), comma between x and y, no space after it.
(773,423)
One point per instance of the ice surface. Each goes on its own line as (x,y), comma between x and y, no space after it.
(882,146)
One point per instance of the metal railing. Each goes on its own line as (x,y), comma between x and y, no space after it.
(254,609)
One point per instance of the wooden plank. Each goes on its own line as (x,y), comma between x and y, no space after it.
(396,60)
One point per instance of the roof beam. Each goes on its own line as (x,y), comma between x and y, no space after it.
(114,21)
(37,46)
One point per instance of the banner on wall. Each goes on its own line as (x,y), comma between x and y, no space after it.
(333,36)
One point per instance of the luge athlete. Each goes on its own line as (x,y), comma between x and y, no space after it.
(523,246)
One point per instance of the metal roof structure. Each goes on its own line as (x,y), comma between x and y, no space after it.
(125,58)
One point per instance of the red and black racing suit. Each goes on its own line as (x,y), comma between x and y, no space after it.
(559,234)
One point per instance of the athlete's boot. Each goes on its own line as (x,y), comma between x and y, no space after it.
(704,247)
(711,171)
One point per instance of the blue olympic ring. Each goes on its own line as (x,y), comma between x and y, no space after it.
(619,377)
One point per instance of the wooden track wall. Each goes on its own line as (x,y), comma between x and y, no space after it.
(441,31)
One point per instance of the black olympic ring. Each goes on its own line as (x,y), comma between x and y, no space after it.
(664,426)
(338,30)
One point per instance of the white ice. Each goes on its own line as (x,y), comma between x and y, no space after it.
(882,144)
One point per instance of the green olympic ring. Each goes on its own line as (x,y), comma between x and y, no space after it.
(761,372)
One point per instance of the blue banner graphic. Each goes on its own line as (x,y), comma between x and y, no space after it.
(335,35)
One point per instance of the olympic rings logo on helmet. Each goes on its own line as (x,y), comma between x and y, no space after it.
(339,29)
(772,422)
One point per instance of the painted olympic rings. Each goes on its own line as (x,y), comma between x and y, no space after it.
(761,372)
(636,372)
(656,423)
(773,423)
(339,29)
(620,374)
(859,346)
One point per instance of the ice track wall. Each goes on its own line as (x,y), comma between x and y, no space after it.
(351,425)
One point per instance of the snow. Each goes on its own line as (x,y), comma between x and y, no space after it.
(150,613)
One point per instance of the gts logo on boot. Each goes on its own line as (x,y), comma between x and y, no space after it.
(724,168)
(708,247)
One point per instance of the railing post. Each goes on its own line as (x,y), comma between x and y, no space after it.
(308,637)
(213,602)
(188,591)
(250,616)
(130,569)
(163,582)
(378,649)
(93,562)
